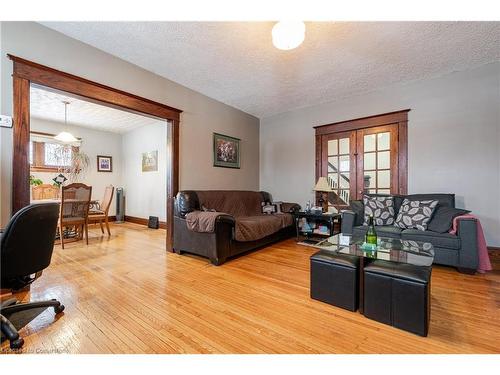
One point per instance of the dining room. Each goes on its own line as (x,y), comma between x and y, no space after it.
(104,165)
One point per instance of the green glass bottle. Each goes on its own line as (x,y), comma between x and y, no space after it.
(371,235)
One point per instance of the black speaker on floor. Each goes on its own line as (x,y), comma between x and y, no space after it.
(154,222)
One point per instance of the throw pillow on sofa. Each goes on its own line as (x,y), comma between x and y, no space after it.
(278,205)
(415,214)
(442,220)
(268,208)
(381,208)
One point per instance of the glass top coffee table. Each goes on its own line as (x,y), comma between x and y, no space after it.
(387,249)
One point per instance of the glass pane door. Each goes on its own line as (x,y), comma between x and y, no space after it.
(339,156)
(377,161)
(362,156)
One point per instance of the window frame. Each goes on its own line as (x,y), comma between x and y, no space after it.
(38,160)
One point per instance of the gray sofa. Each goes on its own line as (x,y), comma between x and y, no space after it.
(452,250)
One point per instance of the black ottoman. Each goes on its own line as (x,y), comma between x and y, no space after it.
(334,279)
(398,294)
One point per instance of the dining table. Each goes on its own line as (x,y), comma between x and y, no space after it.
(93,203)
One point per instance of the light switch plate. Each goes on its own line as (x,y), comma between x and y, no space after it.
(5,121)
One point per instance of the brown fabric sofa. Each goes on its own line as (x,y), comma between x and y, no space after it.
(239,225)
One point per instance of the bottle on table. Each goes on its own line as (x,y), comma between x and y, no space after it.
(371,234)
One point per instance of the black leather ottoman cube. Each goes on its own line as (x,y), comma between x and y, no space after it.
(334,279)
(398,294)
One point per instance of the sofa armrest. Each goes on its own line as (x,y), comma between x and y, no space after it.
(215,245)
(468,254)
(224,235)
(225,219)
(348,221)
(207,221)
(290,207)
(185,202)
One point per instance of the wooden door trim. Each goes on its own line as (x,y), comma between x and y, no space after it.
(20,140)
(27,72)
(403,156)
(56,79)
(363,122)
(400,118)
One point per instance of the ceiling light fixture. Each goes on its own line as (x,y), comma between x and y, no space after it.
(288,34)
(64,136)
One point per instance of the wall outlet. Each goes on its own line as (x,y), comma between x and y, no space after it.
(5,121)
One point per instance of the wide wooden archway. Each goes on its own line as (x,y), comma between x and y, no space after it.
(26,72)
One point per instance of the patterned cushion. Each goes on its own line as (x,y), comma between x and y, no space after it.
(381,208)
(268,208)
(415,214)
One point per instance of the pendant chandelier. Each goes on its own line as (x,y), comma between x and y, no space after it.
(64,136)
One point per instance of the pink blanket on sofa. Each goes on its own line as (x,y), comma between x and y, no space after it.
(482,250)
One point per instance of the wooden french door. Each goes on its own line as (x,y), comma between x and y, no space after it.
(371,159)
(377,160)
(339,165)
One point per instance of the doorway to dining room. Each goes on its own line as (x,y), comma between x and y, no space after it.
(120,156)
(27,73)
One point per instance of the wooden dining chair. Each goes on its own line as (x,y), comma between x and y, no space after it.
(45,191)
(75,202)
(101,214)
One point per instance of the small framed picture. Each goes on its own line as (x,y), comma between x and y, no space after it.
(150,161)
(226,151)
(104,163)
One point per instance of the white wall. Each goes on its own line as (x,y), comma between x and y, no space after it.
(201,117)
(453,135)
(145,192)
(94,142)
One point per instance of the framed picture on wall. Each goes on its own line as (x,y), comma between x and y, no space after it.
(150,161)
(104,163)
(226,151)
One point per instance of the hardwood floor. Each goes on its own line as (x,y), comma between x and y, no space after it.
(127,295)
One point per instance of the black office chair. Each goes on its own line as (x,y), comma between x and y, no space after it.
(26,249)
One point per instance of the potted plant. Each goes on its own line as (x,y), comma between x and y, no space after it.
(80,163)
(35,181)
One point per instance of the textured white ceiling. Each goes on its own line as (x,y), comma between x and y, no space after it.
(236,63)
(48,105)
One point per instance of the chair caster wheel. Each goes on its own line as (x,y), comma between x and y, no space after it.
(17,344)
(59,309)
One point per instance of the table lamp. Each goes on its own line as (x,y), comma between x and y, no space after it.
(323,186)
